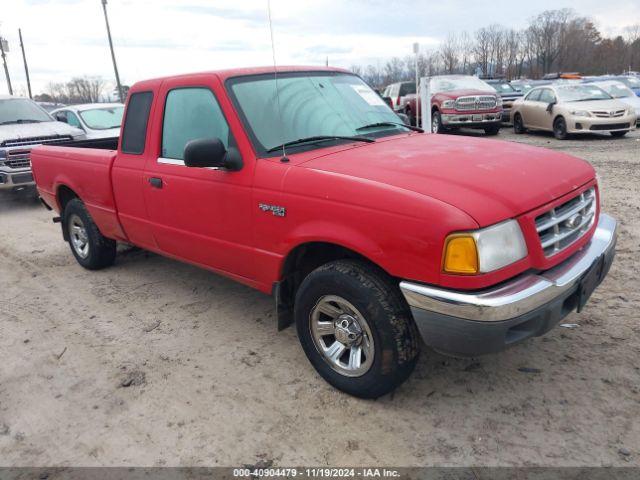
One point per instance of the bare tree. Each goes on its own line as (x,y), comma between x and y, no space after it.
(77,90)
(548,30)
(449,51)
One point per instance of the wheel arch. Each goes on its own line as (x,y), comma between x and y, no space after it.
(302,260)
(64,194)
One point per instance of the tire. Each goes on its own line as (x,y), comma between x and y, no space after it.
(518,124)
(492,130)
(436,123)
(619,134)
(92,249)
(352,301)
(412,117)
(560,128)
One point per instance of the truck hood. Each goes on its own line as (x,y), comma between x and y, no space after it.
(489,180)
(44,129)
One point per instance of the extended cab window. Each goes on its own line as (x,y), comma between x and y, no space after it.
(191,113)
(134,131)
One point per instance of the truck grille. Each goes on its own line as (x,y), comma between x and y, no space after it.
(18,159)
(611,114)
(32,141)
(477,102)
(562,225)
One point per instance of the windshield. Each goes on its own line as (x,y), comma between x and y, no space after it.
(21,110)
(313,104)
(503,87)
(618,90)
(103,118)
(448,84)
(581,93)
(631,82)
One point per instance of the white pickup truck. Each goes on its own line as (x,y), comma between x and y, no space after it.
(23,125)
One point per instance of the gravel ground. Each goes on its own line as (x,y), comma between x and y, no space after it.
(154,362)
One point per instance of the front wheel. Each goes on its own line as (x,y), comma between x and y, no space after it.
(560,129)
(619,134)
(92,249)
(436,122)
(494,130)
(518,124)
(356,329)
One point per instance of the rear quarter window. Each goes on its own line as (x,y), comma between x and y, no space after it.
(134,131)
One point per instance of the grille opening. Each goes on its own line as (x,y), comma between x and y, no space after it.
(33,141)
(563,225)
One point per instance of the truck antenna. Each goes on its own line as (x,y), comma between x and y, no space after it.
(275,77)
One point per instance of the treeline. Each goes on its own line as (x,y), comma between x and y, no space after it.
(78,90)
(554,41)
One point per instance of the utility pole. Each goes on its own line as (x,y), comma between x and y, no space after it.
(113,55)
(26,67)
(4,45)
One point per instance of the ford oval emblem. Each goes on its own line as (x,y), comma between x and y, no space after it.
(573,221)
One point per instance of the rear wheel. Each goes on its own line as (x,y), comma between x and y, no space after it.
(560,129)
(518,124)
(355,328)
(619,134)
(92,249)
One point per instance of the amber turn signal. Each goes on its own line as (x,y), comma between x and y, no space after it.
(460,255)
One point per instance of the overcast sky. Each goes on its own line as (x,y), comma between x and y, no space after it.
(66,38)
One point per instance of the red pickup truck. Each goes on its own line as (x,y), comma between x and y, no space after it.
(459,101)
(368,233)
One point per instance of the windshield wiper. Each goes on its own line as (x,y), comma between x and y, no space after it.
(390,124)
(21,120)
(320,138)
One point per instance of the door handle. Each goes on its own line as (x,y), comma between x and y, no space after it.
(155,182)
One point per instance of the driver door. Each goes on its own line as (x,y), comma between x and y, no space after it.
(546,117)
(201,215)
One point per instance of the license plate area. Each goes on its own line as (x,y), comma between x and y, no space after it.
(477,118)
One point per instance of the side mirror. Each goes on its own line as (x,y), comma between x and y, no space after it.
(61,118)
(210,152)
(388,101)
(550,106)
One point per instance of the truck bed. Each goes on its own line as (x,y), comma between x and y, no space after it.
(81,171)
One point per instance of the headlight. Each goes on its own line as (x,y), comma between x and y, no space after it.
(448,104)
(499,101)
(484,250)
(3,157)
(580,113)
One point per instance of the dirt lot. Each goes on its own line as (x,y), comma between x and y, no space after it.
(153,362)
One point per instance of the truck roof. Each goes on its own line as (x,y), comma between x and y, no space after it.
(238,72)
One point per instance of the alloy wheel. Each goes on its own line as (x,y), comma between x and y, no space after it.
(342,336)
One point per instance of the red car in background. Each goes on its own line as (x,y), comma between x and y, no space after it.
(459,101)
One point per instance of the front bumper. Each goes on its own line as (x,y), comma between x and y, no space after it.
(487,321)
(15,178)
(471,120)
(601,125)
